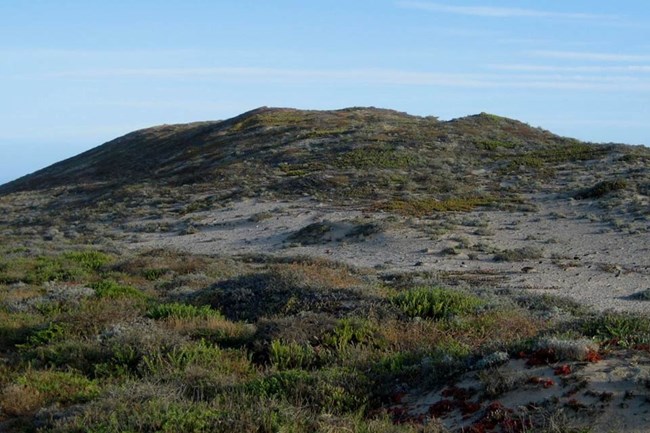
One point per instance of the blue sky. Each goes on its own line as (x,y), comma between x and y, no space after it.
(74,74)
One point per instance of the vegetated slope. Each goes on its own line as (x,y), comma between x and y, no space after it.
(365,154)
(111,338)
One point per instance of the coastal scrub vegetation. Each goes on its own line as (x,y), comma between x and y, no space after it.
(91,343)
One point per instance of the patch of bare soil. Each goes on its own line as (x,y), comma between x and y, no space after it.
(567,247)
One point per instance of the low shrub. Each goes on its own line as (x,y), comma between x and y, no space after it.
(435,303)
(368,158)
(422,207)
(170,363)
(577,349)
(291,355)
(90,260)
(312,234)
(622,329)
(79,354)
(519,254)
(53,332)
(352,331)
(601,189)
(36,388)
(70,266)
(111,289)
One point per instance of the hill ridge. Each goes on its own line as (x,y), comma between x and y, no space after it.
(355,154)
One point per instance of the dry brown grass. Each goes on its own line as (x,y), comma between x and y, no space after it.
(489,329)
(94,315)
(20,400)
(320,275)
(219,327)
(10,295)
(412,336)
(496,328)
(162,261)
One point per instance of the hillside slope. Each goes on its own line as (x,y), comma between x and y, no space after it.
(294,151)
(356,156)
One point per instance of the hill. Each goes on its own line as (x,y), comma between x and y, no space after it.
(355,155)
(329,271)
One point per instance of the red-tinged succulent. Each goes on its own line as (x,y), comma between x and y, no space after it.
(593,356)
(397,397)
(575,404)
(496,412)
(396,410)
(541,357)
(478,427)
(458,393)
(562,370)
(545,382)
(468,407)
(441,408)
(400,415)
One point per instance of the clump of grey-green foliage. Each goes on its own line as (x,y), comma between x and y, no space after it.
(519,254)
(568,349)
(601,189)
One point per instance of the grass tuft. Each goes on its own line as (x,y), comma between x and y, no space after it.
(436,303)
(111,289)
(183,311)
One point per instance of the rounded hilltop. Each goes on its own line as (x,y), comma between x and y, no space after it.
(353,152)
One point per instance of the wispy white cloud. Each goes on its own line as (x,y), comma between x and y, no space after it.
(521,77)
(591,56)
(500,12)
(572,69)
(296,76)
(81,53)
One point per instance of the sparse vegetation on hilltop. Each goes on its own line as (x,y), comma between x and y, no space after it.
(363,154)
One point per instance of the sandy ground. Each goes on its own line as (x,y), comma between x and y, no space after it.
(583,257)
(610,395)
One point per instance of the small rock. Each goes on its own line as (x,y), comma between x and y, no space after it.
(528,269)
